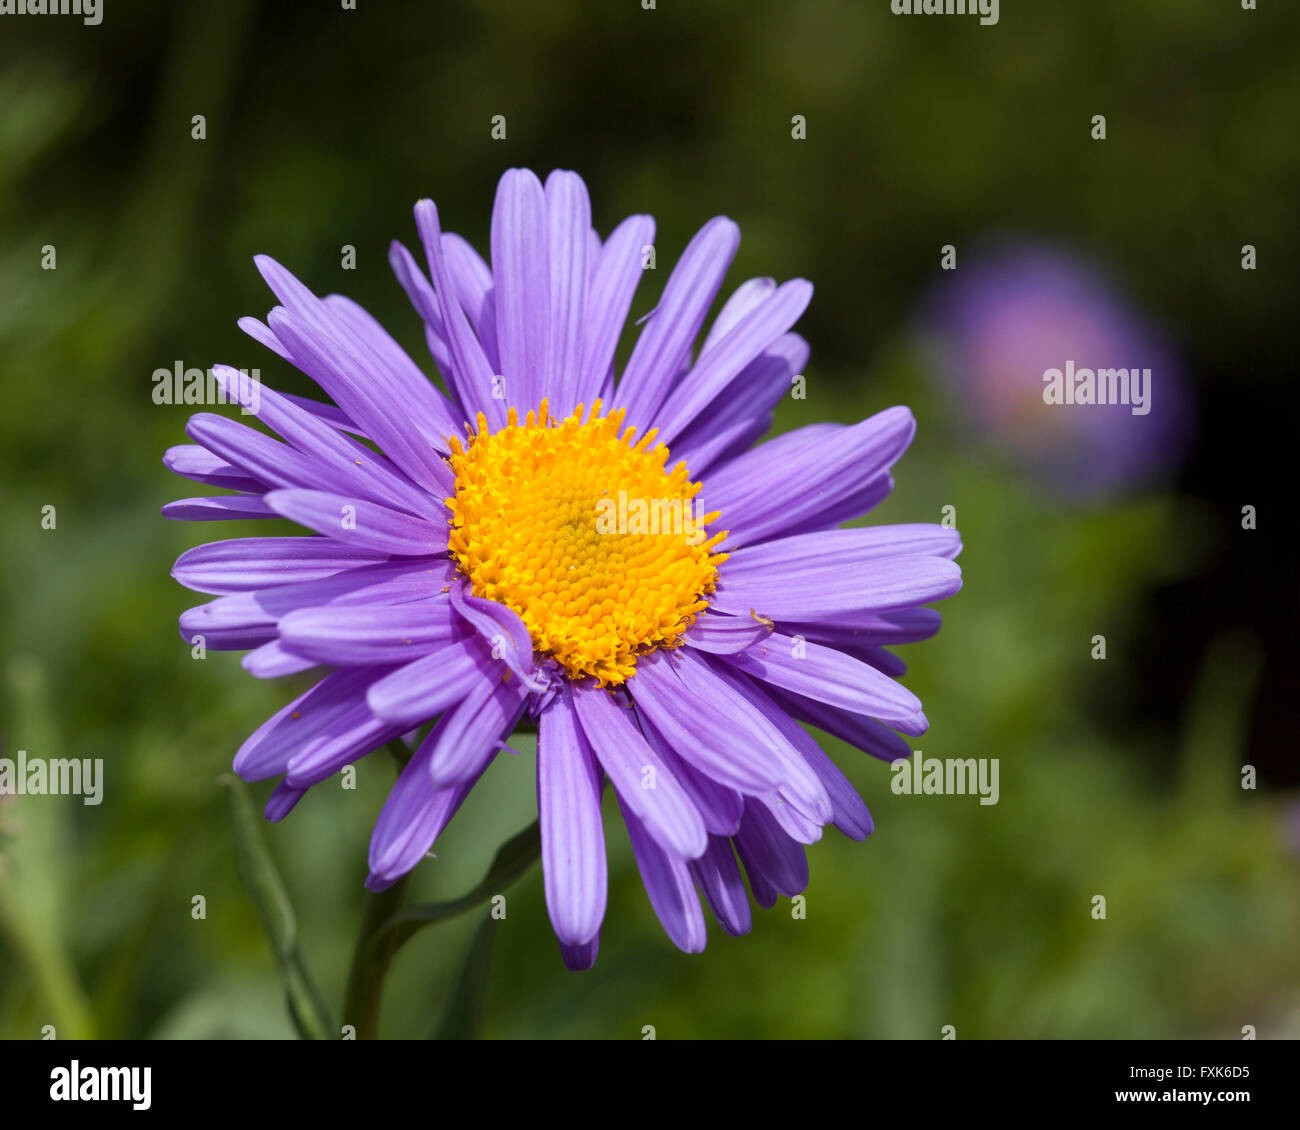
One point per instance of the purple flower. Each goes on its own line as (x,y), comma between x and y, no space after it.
(1010,316)
(524,544)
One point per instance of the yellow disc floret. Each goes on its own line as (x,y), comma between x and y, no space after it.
(585,534)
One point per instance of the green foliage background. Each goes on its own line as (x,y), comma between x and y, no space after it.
(323,128)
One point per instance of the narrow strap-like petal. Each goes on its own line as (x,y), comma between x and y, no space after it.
(643,781)
(732,423)
(749,294)
(503,631)
(617,271)
(350,462)
(199,464)
(857,730)
(241,564)
(521,276)
(768,852)
(360,523)
(269,747)
(798,476)
(568,225)
(474,379)
(675,323)
(427,686)
(218,508)
(697,730)
(668,884)
(720,364)
(721,634)
(472,279)
(718,875)
(417,809)
(479,724)
(829,676)
(573,839)
(355,635)
(271,661)
(719,807)
(809,586)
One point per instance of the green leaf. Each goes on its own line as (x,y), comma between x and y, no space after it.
(515,857)
(262,881)
(465,1010)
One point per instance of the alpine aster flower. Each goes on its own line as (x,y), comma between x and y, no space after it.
(505,548)
(1017,311)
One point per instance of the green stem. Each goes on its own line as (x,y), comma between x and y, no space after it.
(370,960)
(386,927)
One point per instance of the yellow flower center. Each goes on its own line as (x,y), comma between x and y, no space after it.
(585,535)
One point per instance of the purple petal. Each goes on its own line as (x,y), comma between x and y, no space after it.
(264,335)
(363,371)
(768,852)
(521,276)
(797,476)
(907,625)
(474,290)
(734,422)
(568,221)
(669,885)
(643,782)
(416,810)
(698,729)
(422,297)
(719,365)
(502,629)
(422,401)
(847,548)
(241,564)
(573,839)
(229,623)
(269,747)
(850,813)
(348,738)
(477,726)
(614,281)
(830,676)
(816,586)
(720,807)
(427,686)
(218,508)
(470,373)
(361,523)
(282,800)
(345,635)
(857,730)
(799,786)
(725,635)
(675,323)
(748,295)
(718,875)
(350,462)
(581,957)
(271,661)
(194,462)
(254,453)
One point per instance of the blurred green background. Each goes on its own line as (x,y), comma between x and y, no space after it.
(1119,778)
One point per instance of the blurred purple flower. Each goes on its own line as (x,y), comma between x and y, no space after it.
(1002,320)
